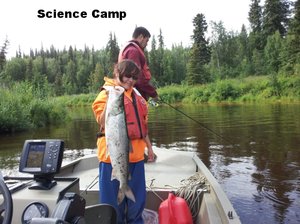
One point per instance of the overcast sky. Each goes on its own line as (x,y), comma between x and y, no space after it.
(21,25)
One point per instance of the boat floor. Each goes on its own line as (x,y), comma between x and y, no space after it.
(167,172)
(170,169)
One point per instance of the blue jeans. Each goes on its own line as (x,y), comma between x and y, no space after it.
(128,211)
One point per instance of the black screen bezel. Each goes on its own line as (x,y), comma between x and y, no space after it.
(45,145)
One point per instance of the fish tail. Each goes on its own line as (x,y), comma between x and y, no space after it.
(125,192)
(129,194)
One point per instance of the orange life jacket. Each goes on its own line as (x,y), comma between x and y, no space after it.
(136,116)
(145,68)
(136,111)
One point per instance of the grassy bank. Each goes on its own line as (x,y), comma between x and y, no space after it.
(248,90)
(23,108)
(77,100)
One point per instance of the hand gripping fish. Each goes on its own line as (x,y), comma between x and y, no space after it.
(117,141)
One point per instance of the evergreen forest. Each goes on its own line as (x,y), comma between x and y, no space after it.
(268,50)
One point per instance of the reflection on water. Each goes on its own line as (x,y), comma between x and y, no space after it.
(252,150)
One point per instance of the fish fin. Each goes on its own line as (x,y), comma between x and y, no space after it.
(129,194)
(106,152)
(121,196)
(113,174)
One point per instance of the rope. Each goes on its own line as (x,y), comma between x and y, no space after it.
(192,190)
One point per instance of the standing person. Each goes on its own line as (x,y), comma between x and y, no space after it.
(134,50)
(126,74)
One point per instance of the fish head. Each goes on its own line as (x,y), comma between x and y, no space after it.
(119,90)
(115,92)
(115,96)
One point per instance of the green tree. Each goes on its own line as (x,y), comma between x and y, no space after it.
(153,60)
(112,49)
(96,79)
(3,53)
(200,53)
(295,22)
(256,43)
(157,59)
(52,69)
(255,16)
(224,47)
(291,52)
(69,78)
(160,58)
(53,53)
(82,75)
(255,20)
(272,53)
(243,56)
(39,79)
(276,17)
(218,35)
(58,85)
(258,62)
(14,69)
(29,68)
(71,54)
(175,65)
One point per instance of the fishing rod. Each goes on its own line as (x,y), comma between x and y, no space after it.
(202,125)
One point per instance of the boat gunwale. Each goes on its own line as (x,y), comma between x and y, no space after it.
(224,206)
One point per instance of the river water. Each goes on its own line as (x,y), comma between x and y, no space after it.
(252,150)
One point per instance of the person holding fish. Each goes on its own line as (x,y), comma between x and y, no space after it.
(122,114)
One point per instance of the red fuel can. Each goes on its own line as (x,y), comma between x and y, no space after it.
(174,210)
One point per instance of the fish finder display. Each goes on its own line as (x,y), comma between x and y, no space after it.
(35,155)
(43,159)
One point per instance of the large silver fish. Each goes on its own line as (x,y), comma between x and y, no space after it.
(117,142)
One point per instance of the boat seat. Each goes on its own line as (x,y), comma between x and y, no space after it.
(100,213)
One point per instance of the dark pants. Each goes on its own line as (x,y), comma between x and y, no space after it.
(128,211)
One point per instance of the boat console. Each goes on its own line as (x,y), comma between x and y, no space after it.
(41,198)
(43,159)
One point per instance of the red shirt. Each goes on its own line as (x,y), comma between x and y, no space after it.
(143,85)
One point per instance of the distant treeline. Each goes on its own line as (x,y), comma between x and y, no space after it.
(270,47)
